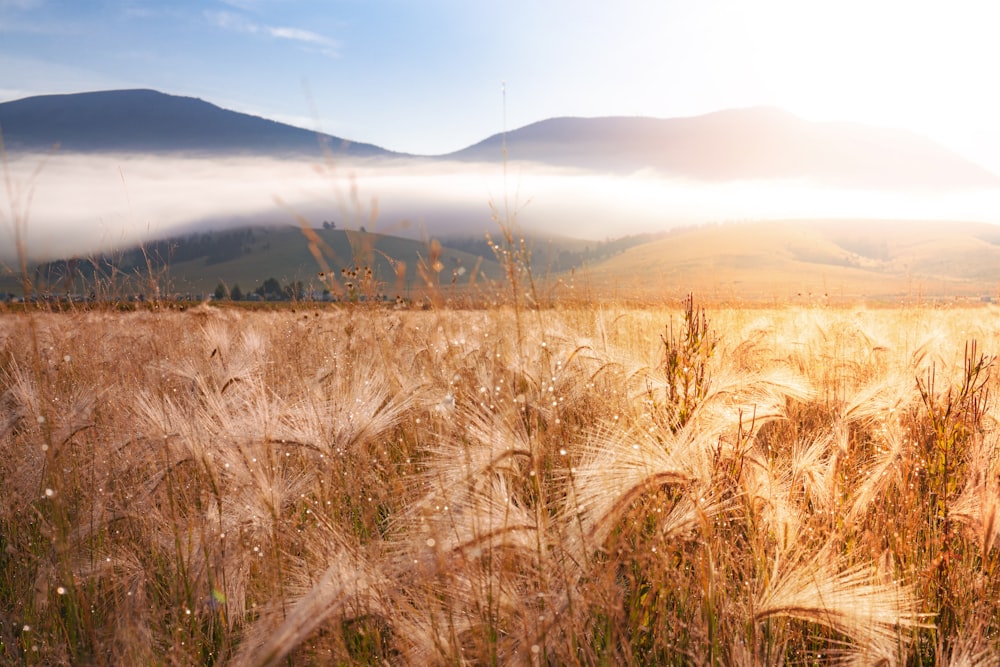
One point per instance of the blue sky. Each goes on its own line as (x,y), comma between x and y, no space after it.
(425,76)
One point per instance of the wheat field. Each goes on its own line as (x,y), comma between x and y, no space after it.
(602,484)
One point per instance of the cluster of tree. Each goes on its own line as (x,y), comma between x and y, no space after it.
(234,294)
(269,290)
(272,290)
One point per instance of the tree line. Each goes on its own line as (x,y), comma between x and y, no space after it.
(269,290)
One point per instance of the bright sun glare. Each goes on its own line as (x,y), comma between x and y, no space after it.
(920,65)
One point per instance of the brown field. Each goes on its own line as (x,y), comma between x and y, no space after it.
(579,485)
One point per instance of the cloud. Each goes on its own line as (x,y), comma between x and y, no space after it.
(239,23)
(231,21)
(300,35)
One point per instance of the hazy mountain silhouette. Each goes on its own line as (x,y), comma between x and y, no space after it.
(741,144)
(149,121)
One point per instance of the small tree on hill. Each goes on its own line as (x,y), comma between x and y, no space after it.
(270,289)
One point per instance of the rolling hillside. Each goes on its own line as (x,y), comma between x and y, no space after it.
(789,261)
(810,261)
(196,264)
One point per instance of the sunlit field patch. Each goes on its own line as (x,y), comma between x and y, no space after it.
(592,485)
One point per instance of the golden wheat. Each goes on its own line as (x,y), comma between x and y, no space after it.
(502,485)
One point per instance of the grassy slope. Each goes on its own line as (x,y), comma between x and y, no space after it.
(765,261)
(283,253)
(782,260)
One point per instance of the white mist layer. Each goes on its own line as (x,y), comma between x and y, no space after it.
(75,205)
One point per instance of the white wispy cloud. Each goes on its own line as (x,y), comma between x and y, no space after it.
(239,23)
(299,35)
(231,21)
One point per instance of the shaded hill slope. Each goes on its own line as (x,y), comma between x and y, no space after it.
(150,121)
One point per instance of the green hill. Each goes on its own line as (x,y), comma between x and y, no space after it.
(784,261)
(314,259)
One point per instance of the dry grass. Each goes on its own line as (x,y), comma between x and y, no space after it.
(499,486)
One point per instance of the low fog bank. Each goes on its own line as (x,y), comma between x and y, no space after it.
(75,205)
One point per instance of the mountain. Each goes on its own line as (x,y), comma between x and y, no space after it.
(760,143)
(790,260)
(741,144)
(150,121)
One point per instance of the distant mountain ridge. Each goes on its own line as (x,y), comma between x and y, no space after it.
(753,144)
(760,143)
(151,121)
